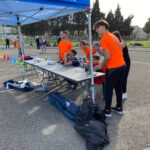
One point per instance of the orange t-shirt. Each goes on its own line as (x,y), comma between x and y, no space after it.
(18,45)
(87,52)
(64,47)
(111,43)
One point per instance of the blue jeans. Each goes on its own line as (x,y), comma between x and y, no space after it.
(43,48)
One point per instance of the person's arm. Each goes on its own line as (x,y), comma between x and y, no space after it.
(65,61)
(123,44)
(59,51)
(106,58)
(86,64)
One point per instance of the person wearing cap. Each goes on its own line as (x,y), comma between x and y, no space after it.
(98,49)
(114,61)
(86,49)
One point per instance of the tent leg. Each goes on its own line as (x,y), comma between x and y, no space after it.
(22,50)
(91,57)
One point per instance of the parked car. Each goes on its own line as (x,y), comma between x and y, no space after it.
(136,44)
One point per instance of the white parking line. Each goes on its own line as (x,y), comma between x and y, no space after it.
(6,91)
(139,62)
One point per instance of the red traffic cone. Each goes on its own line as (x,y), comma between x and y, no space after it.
(7,57)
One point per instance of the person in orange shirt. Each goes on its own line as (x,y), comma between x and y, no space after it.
(86,49)
(64,46)
(114,61)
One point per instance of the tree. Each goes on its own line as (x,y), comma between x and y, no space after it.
(117,22)
(118,19)
(59,24)
(147,26)
(54,26)
(127,28)
(96,15)
(80,21)
(38,28)
(111,20)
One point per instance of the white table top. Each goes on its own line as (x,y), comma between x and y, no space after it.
(75,74)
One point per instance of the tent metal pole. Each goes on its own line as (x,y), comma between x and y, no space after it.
(91,57)
(22,50)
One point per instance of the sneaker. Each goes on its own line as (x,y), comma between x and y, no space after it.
(107,112)
(43,88)
(117,110)
(124,95)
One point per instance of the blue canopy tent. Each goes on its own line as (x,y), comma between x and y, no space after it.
(22,12)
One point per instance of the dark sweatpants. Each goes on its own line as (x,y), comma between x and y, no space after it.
(7,45)
(114,78)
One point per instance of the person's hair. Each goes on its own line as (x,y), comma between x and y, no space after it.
(97,57)
(118,35)
(96,44)
(100,23)
(66,32)
(83,42)
(74,51)
(18,37)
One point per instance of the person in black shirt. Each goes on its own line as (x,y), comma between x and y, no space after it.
(37,42)
(60,37)
(128,63)
(7,42)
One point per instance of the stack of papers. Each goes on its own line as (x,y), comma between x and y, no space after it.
(51,62)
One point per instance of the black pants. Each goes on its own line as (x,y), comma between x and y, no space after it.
(125,77)
(38,45)
(7,45)
(114,78)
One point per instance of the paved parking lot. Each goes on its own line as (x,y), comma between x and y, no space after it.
(29,122)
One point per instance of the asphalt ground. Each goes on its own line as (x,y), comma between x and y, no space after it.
(29,122)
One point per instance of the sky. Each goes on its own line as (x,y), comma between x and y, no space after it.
(139,8)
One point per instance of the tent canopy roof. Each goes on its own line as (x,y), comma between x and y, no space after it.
(24,12)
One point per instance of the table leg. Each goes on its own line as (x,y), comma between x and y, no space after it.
(25,71)
(42,78)
(82,93)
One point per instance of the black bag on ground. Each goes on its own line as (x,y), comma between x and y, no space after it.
(91,125)
(22,86)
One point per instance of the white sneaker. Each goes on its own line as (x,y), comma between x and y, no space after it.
(124,95)
(43,88)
